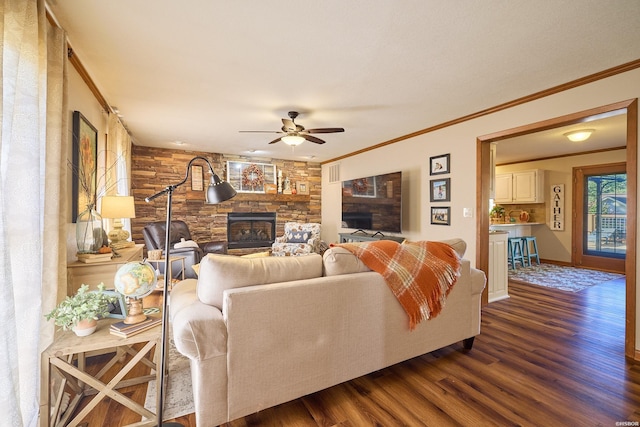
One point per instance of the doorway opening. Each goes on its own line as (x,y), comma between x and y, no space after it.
(483,190)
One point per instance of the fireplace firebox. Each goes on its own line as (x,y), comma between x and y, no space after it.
(251,230)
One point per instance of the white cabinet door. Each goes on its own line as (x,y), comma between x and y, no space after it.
(520,187)
(503,190)
(498,269)
(524,186)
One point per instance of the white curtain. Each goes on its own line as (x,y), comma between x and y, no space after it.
(32,199)
(118,160)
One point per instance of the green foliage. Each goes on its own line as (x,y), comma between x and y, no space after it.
(497,211)
(83,305)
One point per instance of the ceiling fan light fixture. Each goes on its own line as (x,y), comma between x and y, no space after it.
(579,135)
(292,140)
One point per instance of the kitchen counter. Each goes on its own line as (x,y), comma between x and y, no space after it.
(513,224)
(515,229)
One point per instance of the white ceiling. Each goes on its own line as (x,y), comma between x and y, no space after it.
(199,71)
(610,130)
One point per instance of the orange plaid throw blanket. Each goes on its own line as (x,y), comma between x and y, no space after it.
(420,274)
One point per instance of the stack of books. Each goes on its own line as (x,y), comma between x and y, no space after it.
(90,258)
(125,330)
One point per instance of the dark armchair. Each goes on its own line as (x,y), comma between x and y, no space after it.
(154,235)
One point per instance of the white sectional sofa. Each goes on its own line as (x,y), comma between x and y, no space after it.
(263,331)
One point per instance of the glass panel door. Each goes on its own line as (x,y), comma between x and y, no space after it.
(600,217)
(606,215)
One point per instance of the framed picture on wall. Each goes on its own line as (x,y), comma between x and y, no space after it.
(302,187)
(439,164)
(440,190)
(197,178)
(84,165)
(247,177)
(441,216)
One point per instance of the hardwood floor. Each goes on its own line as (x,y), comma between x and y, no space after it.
(543,358)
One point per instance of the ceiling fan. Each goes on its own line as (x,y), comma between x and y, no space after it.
(295,134)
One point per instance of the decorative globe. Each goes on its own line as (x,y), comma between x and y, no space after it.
(135,280)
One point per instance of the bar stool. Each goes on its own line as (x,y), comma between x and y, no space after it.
(529,242)
(514,249)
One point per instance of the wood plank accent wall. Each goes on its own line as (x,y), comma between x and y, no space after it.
(155,168)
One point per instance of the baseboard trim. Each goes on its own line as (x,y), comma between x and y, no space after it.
(551,261)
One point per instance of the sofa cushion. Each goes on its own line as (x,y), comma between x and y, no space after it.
(337,260)
(196,267)
(221,272)
(458,245)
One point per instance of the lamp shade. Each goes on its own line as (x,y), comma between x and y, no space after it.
(219,190)
(293,139)
(579,135)
(116,207)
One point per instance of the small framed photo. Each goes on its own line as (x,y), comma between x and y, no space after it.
(441,216)
(197,178)
(440,164)
(440,190)
(302,187)
(118,308)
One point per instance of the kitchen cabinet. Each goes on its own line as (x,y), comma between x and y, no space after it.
(520,187)
(498,269)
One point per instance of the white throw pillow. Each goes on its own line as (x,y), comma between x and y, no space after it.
(221,272)
(185,244)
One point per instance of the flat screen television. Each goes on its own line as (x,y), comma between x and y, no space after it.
(373,203)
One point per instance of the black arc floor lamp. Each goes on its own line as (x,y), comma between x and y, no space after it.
(217,192)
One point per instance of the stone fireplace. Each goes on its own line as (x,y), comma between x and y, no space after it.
(251,230)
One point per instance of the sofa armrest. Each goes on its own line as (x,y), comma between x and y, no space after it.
(199,331)
(478,281)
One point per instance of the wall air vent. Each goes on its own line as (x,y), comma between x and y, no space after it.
(334,173)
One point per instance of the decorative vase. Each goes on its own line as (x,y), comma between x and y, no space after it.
(85,327)
(89,231)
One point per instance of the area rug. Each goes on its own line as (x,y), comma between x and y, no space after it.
(570,279)
(178,398)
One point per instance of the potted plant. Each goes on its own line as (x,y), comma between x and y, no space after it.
(81,311)
(497,213)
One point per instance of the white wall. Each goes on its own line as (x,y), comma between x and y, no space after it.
(556,245)
(412,157)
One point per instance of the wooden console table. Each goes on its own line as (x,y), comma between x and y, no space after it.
(93,274)
(67,356)
(366,237)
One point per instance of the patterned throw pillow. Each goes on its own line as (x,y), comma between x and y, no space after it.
(299,237)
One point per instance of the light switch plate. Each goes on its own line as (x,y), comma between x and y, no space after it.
(467,212)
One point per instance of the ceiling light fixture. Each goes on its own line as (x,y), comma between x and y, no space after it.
(579,135)
(292,140)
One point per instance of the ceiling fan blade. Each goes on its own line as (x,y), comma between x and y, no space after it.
(324,130)
(275,140)
(288,125)
(313,139)
(259,131)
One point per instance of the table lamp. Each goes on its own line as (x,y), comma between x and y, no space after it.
(116,208)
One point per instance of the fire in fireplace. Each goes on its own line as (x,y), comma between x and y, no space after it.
(251,230)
